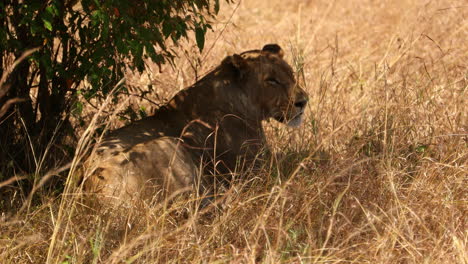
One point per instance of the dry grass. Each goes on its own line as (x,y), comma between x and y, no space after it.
(378,173)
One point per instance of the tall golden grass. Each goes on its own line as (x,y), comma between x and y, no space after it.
(377,174)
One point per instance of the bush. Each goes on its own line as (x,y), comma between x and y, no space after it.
(89,40)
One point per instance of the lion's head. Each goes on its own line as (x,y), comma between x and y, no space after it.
(270,84)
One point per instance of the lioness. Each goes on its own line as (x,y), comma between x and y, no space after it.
(205,130)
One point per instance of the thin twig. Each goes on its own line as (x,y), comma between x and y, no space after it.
(9,103)
(222,31)
(13,66)
(12,180)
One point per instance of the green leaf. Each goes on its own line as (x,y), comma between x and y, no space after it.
(200,37)
(47,24)
(52,10)
(96,17)
(142,112)
(78,109)
(167,29)
(216,6)
(421,148)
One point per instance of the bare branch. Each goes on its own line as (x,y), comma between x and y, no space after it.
(8,103)
(13,66)
(11,180)
(5,88)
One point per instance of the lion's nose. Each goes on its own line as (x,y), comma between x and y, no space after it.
(301,104)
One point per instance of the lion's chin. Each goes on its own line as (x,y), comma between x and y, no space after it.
(293,122)
(296,121)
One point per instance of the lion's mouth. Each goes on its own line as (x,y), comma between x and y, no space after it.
(296,120)
(291,122)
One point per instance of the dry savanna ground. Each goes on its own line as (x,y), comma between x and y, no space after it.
(377,174)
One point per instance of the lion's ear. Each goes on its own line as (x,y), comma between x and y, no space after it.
(274,48)
(237,62)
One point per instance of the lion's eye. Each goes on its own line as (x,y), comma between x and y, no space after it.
(273,81)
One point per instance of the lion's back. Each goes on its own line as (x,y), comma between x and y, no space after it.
(158,167)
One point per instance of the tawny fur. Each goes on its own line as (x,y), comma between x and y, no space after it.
(205,130)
